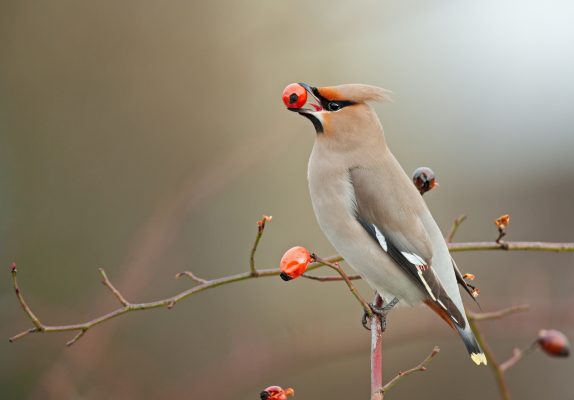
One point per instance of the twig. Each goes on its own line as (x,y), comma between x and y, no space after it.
(517,355)
(421,367)
(191,275)
(497,314)
(347,280)
(455,225)
(330,278)
(260,229)
(22,302)
(114,291)
(76,338)
(526,246)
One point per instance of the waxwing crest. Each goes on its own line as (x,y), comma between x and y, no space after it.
(356,93)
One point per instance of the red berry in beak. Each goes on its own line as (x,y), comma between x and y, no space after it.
(294,96)
(294,263)
(554,343)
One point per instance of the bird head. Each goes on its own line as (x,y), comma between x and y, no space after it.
(335,110)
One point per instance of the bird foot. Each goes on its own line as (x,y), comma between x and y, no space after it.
(381,312)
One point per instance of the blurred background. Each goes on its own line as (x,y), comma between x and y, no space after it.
(148,137)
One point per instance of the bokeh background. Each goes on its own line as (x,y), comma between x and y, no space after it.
(148,137)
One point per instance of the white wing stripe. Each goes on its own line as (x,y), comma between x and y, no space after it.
(413,258)
(426,284)
(381,238)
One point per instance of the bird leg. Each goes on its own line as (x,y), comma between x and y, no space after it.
(380,311)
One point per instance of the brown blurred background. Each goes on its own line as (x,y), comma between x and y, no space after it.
(147,137)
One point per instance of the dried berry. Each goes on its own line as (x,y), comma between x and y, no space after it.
(469,276)
(502,222)
(424,179)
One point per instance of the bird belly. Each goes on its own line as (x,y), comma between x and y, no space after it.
(380,271)
(334,205)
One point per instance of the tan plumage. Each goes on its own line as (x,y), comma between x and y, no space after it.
(372,213)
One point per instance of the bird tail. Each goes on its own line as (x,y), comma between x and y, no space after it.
(472,346)
(476,353)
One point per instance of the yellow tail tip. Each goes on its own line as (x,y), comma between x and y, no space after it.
(478,358)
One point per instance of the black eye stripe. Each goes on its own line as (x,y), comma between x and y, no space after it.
(326,102)
(337,105)
(333,106)
(345,103)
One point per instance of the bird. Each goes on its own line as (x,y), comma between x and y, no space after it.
(369,209)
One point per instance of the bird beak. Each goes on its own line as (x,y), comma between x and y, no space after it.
(313,104)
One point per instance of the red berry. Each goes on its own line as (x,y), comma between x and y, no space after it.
(276,393)
(554,343)
(294,96)
(294,263)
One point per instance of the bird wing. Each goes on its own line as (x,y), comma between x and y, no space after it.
(392,221)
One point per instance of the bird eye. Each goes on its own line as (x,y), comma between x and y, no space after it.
(333,106)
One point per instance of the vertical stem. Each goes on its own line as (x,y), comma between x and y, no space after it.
(377,352)
(492,362)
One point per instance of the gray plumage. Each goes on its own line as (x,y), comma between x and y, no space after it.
(372,213)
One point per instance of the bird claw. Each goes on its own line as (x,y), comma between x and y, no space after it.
(381,312)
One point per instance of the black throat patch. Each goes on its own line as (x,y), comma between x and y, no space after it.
(316,123)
